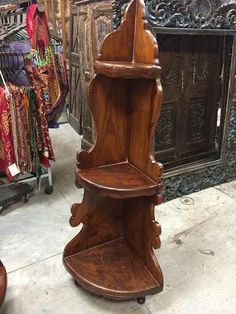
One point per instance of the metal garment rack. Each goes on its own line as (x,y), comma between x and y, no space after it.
(11,69)
(12,22)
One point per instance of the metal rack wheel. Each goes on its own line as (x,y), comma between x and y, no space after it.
(48,190)
(25,198)
(141,300)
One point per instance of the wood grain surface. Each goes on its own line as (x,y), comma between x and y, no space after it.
(113,269)
(120,180)
(113,253)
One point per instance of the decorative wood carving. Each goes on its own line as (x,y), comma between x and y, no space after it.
(203,14)
(166,130)
(113,253)
(198,14)
(196,119)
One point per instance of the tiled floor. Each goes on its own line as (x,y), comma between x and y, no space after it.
(198,254)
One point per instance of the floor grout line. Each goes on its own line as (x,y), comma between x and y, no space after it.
(224,192)
(187,231)
(34,263)
(147,309)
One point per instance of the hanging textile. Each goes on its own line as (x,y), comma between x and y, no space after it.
(24,135)
(7,156)
(43,69)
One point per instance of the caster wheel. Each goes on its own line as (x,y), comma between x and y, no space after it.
(141,300)
(25,198)
(49,190)
(76,283)
(1,208)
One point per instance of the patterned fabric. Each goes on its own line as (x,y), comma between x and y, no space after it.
(42,68)
(64,87)
(24,135)
(7,156)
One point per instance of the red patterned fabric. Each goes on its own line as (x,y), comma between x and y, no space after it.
(43,70)
(7,156)
(37,29)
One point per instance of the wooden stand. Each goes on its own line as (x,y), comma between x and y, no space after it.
(113,254)
(3,283)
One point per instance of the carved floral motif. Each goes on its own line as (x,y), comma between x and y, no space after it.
(166,128)
(196,119)
(203,14)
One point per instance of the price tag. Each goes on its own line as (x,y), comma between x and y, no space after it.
(14,170)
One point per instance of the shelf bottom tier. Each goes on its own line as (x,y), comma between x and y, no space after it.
(113,270)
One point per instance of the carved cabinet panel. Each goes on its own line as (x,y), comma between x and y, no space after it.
(193,72)
(75,74)
(90,22)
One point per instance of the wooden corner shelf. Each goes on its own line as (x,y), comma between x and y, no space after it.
(112,269)
(121,180)
(113,254)
(127,70)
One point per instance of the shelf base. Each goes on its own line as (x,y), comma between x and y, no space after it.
(112,270)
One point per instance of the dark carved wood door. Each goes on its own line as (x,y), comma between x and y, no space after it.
(193,69)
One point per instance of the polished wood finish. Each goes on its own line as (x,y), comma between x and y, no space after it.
(120,180)
(127,69)
(3,283)
(113,253)
(121,271)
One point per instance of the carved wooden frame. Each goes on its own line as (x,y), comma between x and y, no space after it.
(201,14)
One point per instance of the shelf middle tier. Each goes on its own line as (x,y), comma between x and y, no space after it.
(121,180)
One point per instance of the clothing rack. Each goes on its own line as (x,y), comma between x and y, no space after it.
(11,67)
(12,21)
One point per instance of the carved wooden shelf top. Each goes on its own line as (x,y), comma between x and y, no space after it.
(127,70)
(121,180)
(116,261)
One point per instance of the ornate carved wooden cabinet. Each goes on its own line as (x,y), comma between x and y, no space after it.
(113,253)
(195,139)
(90,22)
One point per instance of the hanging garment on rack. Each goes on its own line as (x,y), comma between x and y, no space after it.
(64,88)
(7,156)
(44,69)
(28,142)
(12,64)
(43,57)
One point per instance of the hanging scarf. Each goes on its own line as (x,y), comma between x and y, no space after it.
(7,156)
(43,71)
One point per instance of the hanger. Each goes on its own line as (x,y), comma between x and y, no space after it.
(13,65)
(40,6)
(5,84)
